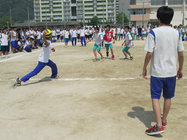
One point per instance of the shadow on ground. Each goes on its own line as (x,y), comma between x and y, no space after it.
(45,79)
(146,117)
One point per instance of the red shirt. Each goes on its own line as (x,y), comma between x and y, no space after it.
(108,36)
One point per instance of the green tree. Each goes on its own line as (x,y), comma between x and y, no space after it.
(4,20)
(94,21)
(121,18)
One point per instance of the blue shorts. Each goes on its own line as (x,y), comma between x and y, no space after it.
(66,40)
(97,47)
(165,84)
(14,44)
(140,34)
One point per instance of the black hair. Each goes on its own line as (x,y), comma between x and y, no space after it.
(108,26)
(165,14)
(5,28)
(97,28)
(127,27)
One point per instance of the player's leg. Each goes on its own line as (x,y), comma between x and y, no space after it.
(168,93)
(54,69)
(131,57)
(0,50)
(38,68)
(81,40)
(75,41)
(99,51)
(112,52)
(107,49)
(157,85)
(84,41)
(72,40)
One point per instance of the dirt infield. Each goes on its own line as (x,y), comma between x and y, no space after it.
(103,100)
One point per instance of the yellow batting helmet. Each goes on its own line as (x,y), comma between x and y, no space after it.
(48,33)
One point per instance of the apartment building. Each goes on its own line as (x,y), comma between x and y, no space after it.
(75,10)
(143,12)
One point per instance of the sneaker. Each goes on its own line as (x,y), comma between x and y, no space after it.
(164,124)
(126,58)
(17,82)
(112,56)
(131,58)
(155,130)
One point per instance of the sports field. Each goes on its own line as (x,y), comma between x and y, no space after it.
(103,100)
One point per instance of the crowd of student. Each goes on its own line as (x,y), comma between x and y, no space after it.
(18,40)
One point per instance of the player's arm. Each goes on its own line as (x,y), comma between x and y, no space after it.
(181,61)
(146,62)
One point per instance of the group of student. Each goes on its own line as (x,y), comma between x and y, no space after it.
(163,46)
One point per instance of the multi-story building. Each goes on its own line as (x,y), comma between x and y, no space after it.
(75,10)
(143,12)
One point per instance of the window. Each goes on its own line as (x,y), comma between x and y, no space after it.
(73,11)
(73,1)
(157,2)
(133,2)
(137,11)
(175,2)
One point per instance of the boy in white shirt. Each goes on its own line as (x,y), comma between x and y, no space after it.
(127,43)
(82,35)
(43,60)
(74,37)
(4,42)
(98,42)
(163,44)
(66,36)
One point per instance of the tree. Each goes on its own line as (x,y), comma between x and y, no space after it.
(4,20)
(94,21)
(122,18)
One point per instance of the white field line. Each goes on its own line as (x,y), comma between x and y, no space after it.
(85,79)
(18,56)
(80,79)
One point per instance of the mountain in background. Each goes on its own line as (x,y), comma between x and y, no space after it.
(18,9)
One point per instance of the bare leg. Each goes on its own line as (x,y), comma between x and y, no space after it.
(112,52)
(157,111)
(125,55)
(167,104)
(129,53)
(100,54)
(95,54)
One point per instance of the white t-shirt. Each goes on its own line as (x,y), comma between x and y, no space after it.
(82,32)
(53,33)
(4,39)
(39,35)
(31,33)
(133,29)
(164,42)
(13,37)
(98,38)
(118,30)
(27,43)
(46,53)
(66,34)
(128,38)
(74,33)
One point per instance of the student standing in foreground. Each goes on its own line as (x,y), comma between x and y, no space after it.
(162,50)
(43,60)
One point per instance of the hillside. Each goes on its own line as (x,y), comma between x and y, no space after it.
(18,8)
